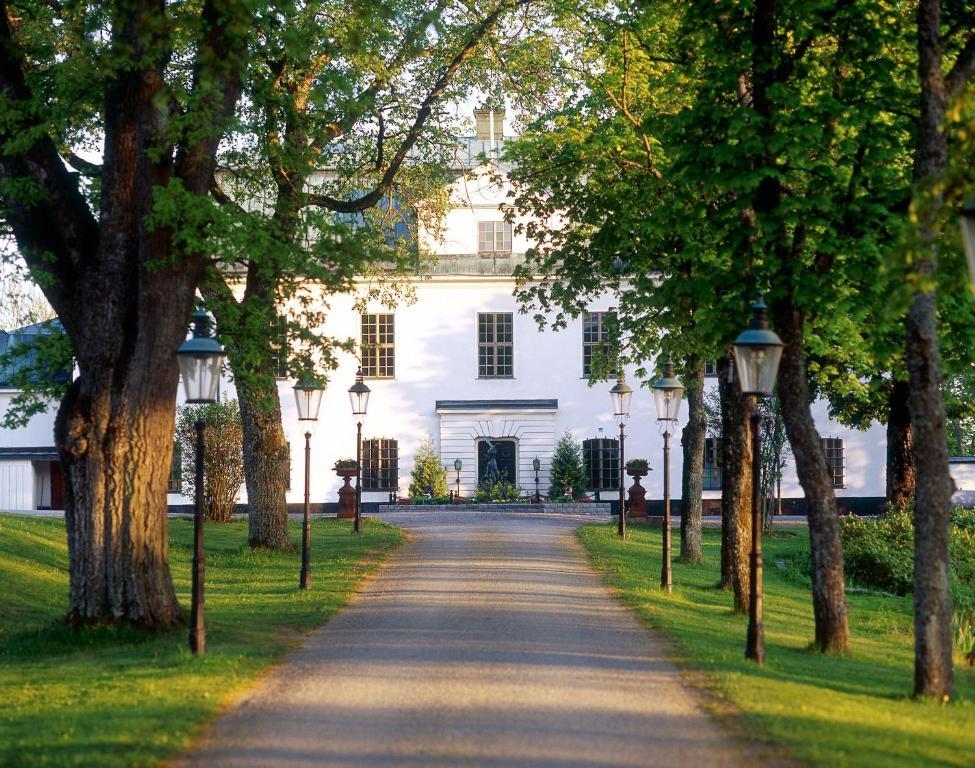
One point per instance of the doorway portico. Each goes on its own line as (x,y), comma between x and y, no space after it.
(521,430)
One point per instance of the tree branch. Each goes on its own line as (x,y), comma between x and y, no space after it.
(426,108)
(85,167)
(963,69)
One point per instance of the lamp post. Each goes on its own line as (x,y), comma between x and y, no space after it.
(667,395)
(359,398)
(758,351)
(536,465)
(967,217)
(199,359)
(620,395)
(308,399)
(458,464)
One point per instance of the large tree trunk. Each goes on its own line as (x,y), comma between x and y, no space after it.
(828,586)
(122,291)
(933,675)
(901,477)
(266,457)
(114,434)
(692,472)
(736,481)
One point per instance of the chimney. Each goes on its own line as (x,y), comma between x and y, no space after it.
(488,123)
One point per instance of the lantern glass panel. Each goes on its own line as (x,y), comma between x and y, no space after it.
(201,376)
(667,402)
(359,401)
(309,402)
(758,367)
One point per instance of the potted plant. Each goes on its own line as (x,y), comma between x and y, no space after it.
(346,467)
(637,467)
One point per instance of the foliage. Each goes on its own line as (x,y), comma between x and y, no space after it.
(429,477)
(500,491)
(821,710)
(880,554)
(39,368)
(346,464)
(223,458)
(21,301)
(959,396)
(637,464)
(430,501)
(114,697)
(567,469)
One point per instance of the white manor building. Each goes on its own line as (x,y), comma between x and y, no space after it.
(462,365)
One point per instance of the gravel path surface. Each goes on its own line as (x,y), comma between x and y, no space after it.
(486,640)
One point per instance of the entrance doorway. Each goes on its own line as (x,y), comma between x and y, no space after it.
(505,454)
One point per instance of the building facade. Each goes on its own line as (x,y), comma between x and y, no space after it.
(463,366)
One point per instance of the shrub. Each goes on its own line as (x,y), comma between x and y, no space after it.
(223,457)
(499,492)
(637,464)
(567,470)
(429,475)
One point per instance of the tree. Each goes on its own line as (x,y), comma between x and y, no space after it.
(343,142)
(567,469)
(933,674)
(692,474)
(428,476)
(223,460)
(119,260)
(21,301)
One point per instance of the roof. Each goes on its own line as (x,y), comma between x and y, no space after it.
(497,405)
(29,454)
(25,335)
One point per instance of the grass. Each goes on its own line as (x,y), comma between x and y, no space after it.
(116,697)
(824,710)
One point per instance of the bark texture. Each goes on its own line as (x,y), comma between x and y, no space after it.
(901,476)
(933,674)
(123,294)
(828,585)
(266,465)
(736,483)
(692,470)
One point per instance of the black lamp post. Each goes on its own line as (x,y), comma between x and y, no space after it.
(758,351)
(199,359)
(359,397)
(308,398)
(458,465)
(620,395)
(967,217)
(667,395)
(536,465)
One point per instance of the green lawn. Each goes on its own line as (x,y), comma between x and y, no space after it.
(108,697)
(824,710)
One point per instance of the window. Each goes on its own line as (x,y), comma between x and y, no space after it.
(601,458)
(835,460)
(378,355)
(712,466)
(495,345)
(710,368)
(279,347)
(494,238)
(594,337)
(380,465)
(175,484)
(286,465)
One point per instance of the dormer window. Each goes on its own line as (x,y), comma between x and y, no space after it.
(494,239)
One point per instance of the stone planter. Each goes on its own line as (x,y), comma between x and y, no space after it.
(346,493)
(637,493)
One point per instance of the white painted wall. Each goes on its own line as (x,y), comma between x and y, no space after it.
(39,432)
(16,486)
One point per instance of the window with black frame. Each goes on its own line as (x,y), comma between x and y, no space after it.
(378,346)
(601,458)
(835,460)
(380,464)
(595,337)
(495,345)
(175,484)
(712,466)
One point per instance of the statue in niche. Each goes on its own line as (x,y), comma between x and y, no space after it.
(491,474)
